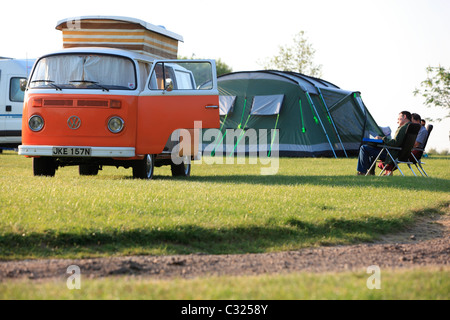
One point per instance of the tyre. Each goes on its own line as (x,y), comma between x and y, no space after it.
(181,170)
(143,169)
(44,166)
(88,169)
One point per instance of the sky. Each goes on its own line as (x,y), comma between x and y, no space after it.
(380,48)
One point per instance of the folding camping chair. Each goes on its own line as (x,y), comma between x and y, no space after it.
(404,150)
(417,156)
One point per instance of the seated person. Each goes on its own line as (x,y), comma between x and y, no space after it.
(421,137)
(368,154)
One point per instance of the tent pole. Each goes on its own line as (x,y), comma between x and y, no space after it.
(274,135)
(241,135)
(301,116)
(213,153)
(320,120)
(243,111)
(240,126)
(332,121)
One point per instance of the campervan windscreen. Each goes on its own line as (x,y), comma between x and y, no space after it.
(84,71)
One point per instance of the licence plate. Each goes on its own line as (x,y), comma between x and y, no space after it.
(71,152)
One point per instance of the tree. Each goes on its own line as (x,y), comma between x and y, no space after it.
(222,67)
(436,89)
(298,58)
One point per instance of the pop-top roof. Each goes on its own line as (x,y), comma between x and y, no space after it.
(157,29)
(119,32)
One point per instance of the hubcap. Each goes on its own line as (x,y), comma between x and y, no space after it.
(148,165)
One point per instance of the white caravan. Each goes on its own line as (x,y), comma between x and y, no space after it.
(12,71)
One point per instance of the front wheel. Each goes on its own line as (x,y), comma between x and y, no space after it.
(143,169)
(44,166)
(181,170)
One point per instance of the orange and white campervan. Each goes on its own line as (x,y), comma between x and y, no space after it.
(92,104)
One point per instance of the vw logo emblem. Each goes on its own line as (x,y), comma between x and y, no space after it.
(74,122)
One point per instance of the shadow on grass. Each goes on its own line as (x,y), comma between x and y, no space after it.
(292,233)
(400,182)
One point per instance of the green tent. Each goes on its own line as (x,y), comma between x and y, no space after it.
(287,112)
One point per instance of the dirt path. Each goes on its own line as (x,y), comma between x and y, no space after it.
(425,244)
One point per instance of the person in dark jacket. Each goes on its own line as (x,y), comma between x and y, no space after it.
(368,154)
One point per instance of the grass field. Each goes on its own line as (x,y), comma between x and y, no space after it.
(221,209)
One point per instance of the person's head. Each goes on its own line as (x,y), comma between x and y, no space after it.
(404,117)
(423,123)
(416,118)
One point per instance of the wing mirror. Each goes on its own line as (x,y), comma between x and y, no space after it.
(169,85)
(23,84)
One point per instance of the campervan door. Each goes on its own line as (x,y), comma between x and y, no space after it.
(11,100)
(175,98)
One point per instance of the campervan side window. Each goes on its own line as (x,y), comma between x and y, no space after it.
(185,80)
(144,72)
(182,76)
(15,94)
(161,75)
(85,71)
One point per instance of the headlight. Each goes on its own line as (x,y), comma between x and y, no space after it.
(115,124)
(36,123)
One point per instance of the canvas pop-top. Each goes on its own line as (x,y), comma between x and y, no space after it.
(92,104)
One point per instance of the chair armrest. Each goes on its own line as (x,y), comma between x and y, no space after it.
(389,147)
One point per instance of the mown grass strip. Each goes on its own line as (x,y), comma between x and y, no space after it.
(418,284)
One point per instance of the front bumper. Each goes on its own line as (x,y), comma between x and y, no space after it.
(96,152)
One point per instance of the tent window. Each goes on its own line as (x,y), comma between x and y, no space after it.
(332,98)
(267,105)
(226,104)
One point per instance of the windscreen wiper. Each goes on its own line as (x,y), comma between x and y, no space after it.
(93,82)
(51,82)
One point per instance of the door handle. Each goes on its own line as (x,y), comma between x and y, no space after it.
(212,107)
(8,108)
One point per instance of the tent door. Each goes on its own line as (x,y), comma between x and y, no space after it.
(321,123)
(332,121)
